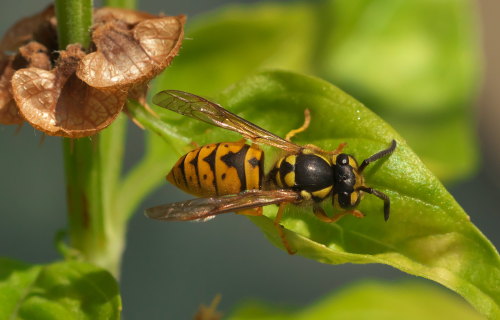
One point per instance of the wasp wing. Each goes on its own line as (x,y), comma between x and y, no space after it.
(206,208)
(201,109)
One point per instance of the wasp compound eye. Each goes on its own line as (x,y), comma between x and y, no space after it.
(342,159)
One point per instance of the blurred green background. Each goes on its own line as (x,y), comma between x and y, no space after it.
(229,255)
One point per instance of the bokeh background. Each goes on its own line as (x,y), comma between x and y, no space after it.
(169,269)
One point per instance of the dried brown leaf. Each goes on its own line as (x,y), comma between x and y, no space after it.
(8,107)
(58,103)
(132,47)
(32,54)
(108,14)
(129,55)
(28,29)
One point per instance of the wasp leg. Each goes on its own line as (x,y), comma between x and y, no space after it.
(251,212)
(354,212)
(321,214)
(305,125)
(279,227)
(337,150)
(194,144)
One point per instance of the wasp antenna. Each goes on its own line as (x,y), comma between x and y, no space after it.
(382,196)
(377,156)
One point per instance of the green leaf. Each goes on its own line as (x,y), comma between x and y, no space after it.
(63,290)
(428,234)
(414,62)
(370,300)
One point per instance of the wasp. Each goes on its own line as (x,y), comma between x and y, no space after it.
(229,177)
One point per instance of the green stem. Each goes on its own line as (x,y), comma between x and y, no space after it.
(74,18)
(121,3)
(92,165)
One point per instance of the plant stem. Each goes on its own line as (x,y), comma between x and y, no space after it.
(121,3)
(74,18)
(92,165)
(93,168)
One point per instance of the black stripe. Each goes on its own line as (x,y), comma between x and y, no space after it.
(261,170)
(272,176)
(237,161)
(210,159)
(183,171)
(285,168)
(194,162)
(181,168)
(253,162)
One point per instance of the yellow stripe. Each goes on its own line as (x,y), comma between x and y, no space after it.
(227,178)
(191,174)
(278,175)
(253,173)
(290,179)
(323,193)
(291,159)
(206,174)
(306,195)
(353,163)
(354,197)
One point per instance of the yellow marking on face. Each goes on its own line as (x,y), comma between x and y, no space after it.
(354,197)
(323,193)
(353,163)
(360,180)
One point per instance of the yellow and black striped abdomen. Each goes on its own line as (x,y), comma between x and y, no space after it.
(219,169)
